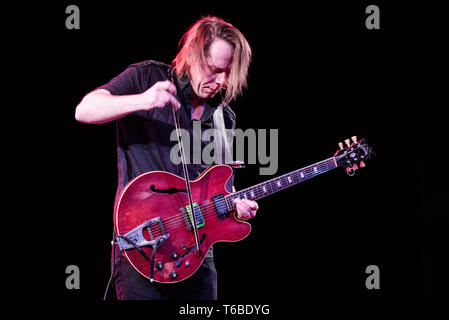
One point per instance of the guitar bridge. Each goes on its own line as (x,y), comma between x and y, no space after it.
(136,236)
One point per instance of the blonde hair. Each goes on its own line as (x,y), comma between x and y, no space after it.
(194,50)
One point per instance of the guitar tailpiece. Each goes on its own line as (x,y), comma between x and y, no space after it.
(135,237)
(139,249)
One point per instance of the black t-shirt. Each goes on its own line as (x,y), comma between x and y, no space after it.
(143,137)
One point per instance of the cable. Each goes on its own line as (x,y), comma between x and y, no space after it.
(113,266)
(113,258)
(160,241)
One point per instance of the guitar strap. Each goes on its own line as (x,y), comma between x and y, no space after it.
(223,137)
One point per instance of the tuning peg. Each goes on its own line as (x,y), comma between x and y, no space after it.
(354,166)
(350,171)
(362,164)
(348,143)
(354,138)
(340,144)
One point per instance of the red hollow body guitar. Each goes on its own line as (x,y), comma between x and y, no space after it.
(154,222)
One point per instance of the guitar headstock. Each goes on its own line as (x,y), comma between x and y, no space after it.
(353,155)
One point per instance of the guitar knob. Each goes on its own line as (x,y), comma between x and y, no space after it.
(173,274)
(159,265)
(174,255)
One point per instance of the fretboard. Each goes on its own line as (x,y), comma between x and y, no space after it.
(280,183)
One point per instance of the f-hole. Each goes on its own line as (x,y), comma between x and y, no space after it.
(169,190)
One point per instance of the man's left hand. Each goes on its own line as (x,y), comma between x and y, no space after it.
(246,209)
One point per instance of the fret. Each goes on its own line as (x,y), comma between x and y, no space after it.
(279,183)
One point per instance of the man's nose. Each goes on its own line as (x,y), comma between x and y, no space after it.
(221,78)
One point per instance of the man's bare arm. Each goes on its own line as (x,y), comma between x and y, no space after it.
(100,106)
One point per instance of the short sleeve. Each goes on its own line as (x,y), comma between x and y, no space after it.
(128,82)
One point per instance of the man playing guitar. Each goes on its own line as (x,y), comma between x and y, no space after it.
(208,72)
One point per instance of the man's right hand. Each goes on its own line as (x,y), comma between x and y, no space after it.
(159,95)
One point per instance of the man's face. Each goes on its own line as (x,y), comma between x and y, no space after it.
(206,83)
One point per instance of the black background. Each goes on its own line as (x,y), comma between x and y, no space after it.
(318,76)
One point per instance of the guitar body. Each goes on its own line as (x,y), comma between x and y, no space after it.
(161,198)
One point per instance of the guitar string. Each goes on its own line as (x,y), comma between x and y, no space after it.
(257,190)
(207,210)
(179,221)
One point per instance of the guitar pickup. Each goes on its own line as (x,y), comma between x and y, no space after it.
(187,214)
(220,206)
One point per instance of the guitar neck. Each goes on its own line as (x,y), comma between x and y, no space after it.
(285,181)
